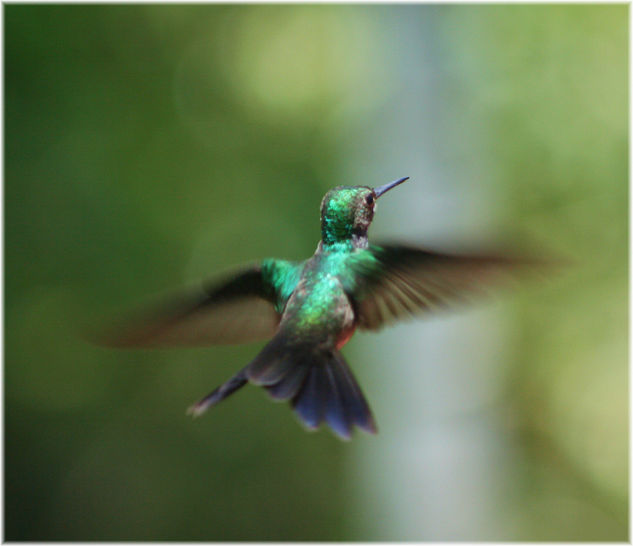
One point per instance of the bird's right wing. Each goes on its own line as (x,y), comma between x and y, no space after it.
(244,307)
(396,281)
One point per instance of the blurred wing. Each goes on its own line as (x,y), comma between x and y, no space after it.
(238,310)
(401,281)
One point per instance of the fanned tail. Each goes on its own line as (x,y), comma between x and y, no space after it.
(316,380)
(318,383)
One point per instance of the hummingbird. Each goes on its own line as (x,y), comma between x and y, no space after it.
(311,309)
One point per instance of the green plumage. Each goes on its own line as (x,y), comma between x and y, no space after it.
(281,276)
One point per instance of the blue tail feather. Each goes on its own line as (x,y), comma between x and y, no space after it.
(317,382)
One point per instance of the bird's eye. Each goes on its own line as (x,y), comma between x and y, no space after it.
(370,199)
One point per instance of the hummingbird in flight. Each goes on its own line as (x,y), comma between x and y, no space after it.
(311,309)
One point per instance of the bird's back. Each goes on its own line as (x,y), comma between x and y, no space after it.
(319,307)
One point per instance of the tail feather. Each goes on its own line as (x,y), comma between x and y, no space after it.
(288,386)
(322,388)
(311,401)
(226,389)
(355,402)
(317,381)
(330,393)
(337,413)
(272,364)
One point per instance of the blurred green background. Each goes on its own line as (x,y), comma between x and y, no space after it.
(147,147)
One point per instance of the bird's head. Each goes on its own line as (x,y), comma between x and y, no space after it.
(347,212)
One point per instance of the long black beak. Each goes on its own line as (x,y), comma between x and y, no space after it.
(383,189)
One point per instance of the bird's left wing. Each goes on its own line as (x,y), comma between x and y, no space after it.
(244,307)
(394,281)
